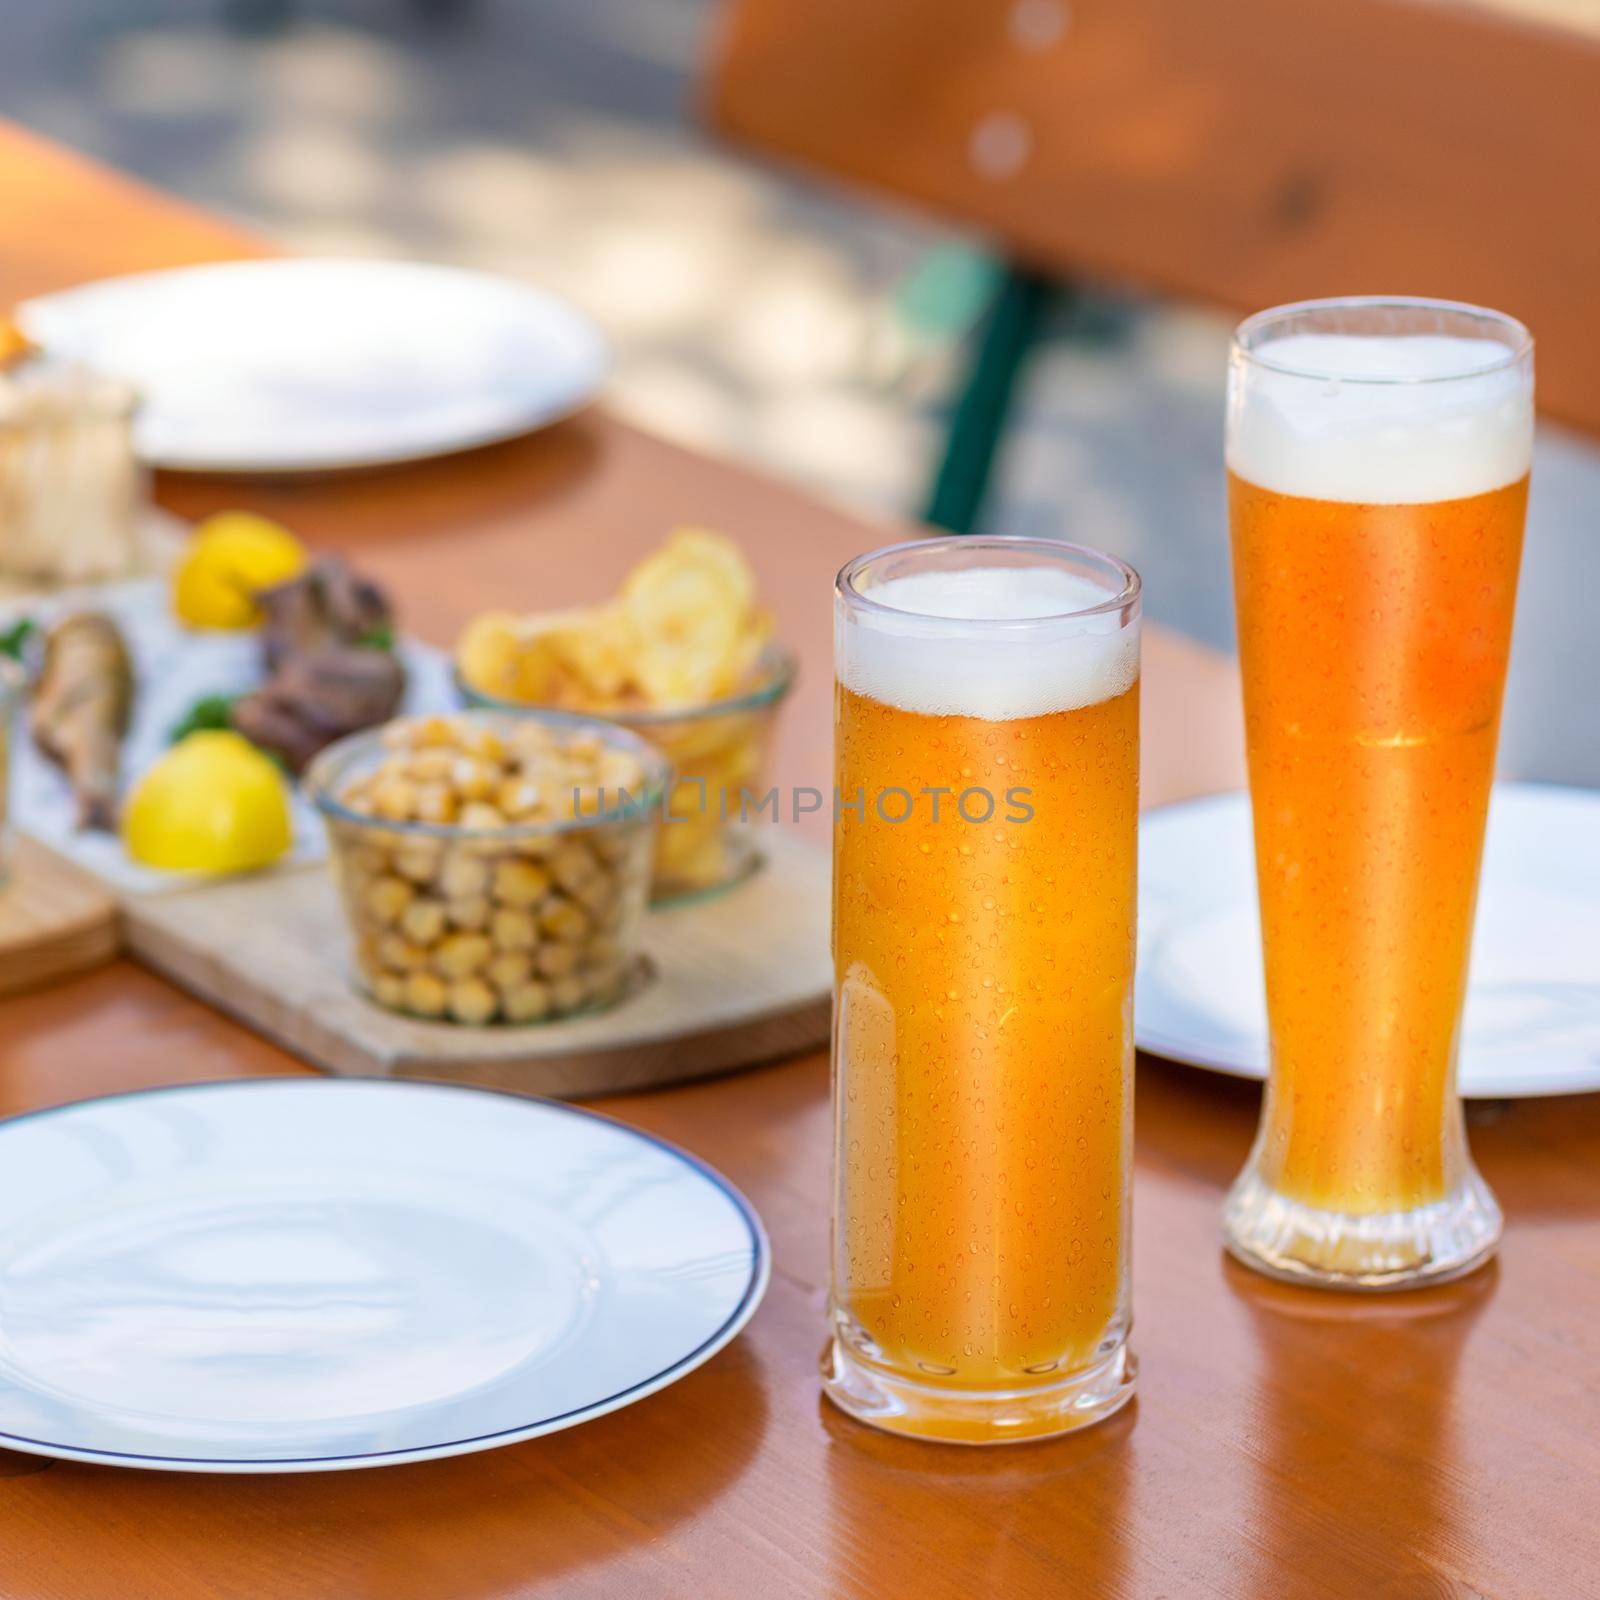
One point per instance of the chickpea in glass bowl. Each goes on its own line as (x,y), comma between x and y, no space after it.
(493,869)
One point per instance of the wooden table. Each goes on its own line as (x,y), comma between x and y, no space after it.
(1283,1444)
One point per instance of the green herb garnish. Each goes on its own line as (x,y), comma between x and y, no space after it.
(210,711)
(14,640)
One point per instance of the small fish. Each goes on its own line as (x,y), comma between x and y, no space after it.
(81,704)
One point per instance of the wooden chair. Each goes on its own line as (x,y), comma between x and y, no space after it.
(1245,152)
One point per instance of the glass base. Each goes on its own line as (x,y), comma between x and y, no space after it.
(976,1416)
(1373,1251)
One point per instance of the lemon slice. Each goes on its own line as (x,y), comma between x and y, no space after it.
(230,559)
(213,803)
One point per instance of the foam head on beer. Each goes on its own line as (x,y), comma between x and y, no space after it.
(932,646)
(1380,419)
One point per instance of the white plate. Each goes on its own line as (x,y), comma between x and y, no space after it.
(1533,1008)
(289,1275)
(304,366)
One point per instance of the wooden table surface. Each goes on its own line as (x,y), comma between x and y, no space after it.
(1283,1444)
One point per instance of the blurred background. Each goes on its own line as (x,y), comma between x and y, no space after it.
(753,314)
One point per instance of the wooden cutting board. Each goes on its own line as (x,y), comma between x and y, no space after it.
(729,982)
(732,981)
(55,920)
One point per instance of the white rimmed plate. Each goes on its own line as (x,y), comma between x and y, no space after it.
(1533,1009)
(292,1275)
(312,365)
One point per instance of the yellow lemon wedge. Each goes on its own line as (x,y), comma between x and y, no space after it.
(231,557)
(212,803)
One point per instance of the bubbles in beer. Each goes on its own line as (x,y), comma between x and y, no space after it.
(997,958)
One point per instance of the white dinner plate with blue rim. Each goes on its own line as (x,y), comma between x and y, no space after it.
(296,1275)
(1532,1024)
(313,365)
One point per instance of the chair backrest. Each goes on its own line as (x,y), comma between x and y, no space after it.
(1248,152)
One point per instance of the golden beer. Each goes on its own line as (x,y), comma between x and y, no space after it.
(984,883)
(1376,506)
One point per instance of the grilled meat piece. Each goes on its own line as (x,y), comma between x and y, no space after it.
(314,699)
(326,679)
(327,604)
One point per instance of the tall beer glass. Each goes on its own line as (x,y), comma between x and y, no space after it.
(987,760)
(1378,456)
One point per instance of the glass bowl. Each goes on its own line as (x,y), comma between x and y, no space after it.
(718,754)
(516,922)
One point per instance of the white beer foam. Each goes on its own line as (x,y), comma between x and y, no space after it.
(918,656)
(1394,443)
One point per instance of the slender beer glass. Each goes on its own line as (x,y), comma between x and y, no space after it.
(987,768)
(1378,458)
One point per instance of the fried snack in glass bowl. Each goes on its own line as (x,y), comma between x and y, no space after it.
(682,656)
(493,868)
(718,753)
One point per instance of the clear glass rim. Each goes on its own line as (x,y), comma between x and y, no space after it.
(1519,339)
(846,585)
(333,764)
